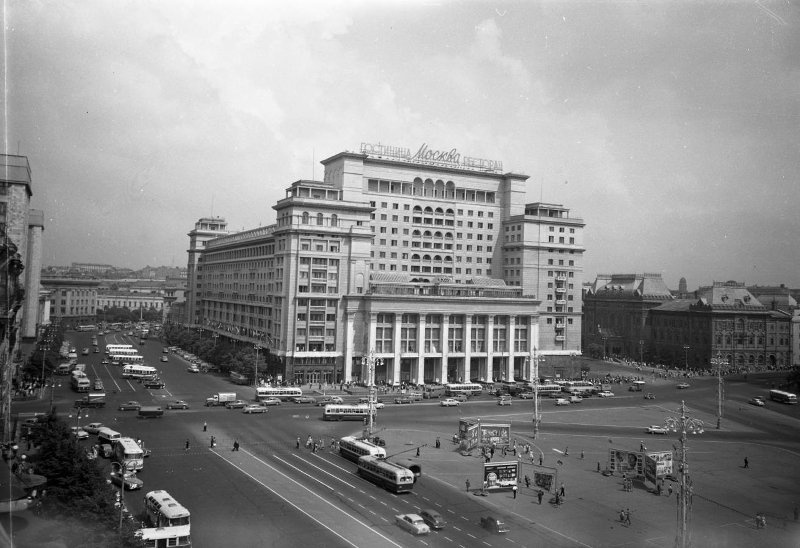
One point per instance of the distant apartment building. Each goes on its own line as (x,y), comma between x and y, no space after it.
(73,301)
(91,268)
(430,266)
(132,300)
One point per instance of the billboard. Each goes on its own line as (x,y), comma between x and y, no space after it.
(468,434)
(472,433)
(657,465)
(500,475)
(626,462)
(495,434)
(545,478)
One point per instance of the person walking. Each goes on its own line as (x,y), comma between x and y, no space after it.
(467,484)
(527,482)
(669,490)
(627,516)
(438,443)
(205,426)
(561,489)
(298,442)
(213,441)
(515,491)
(539,495)
(417,451)
(235,445)
(581,454)
(541,460)
(566,451)
(746,463)
(186,445)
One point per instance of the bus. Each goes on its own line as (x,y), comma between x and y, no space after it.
(111,347)
(467,388)
(128,453)
(125,351)
(283,393)
(88,327)
(123,359)
(549,390)
(388,475)
(164,537)
(432,391)
(353,449)
(164,511)
(579,388)
(132,371)
(782,396)
(345,412)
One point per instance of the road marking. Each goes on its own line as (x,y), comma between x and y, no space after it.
(318,468)
(257,459)
(447,538)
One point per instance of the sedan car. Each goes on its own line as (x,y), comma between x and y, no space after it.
(379,405)
(412,523)
(131,481)
(649,396)
(254,408)
(79,433)
(461,397)
(656,429)
(605,394)
(271,401)
(562,401)
(193,369)
(432,518)
(236,404)
(105,361)
(758,401)
(96,350)
(493,524)
(449,402)
(526,395)
(177,404)
(575,399)
(404,399)
(164,359)
(154,383)
(130,406)
(304,399)
(683,385)
(93,427)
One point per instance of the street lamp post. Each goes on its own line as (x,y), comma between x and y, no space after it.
(535,380)
(641,351)
(684,425)
(686,348)
(121,489)
(371,362)
(257,348)
(719,362)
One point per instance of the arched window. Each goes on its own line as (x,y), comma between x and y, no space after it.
(320,219)
(416,234)
(414,257)
(305,217)
(426,257)
(439,211)
(334,220)
(417,209)
(428,210)
(437,234)
(427,234)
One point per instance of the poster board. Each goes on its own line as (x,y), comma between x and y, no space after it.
(500,475)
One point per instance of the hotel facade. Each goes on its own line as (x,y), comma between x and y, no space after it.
(430,266)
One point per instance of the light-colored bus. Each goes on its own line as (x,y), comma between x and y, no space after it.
(111,347)
(388,475)
(433,391)
(165,537)
(123,359)
(284,393)
(579,388)
(549,390)
(466,388)
(125,352)
(353,449)
(783,396)
(87,328)
(345,412)
(164,511)
(132,371)
(128,453)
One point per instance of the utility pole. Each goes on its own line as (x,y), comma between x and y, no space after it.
(370,362)
(535,380)
(682,425)
(719,362)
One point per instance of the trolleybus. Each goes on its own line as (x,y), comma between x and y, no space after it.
(132,371)
(388,475)
(353,449)
(345,412)
(466,388)
(284,393)
(123,359)
(165,537)
(128,453)
(782,396)
(164,511)
(111,347)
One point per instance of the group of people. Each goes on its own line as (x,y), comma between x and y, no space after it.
(316,445)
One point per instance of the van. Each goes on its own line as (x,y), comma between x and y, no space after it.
(107,435)
(63,369)
(504,400)
(150,412)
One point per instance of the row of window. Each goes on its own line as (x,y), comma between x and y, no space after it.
(434,211)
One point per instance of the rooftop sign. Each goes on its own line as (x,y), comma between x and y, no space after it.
(425,155)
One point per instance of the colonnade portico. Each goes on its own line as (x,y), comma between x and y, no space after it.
(448,360)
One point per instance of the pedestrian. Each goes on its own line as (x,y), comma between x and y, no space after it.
(235,445)
(298,442)
(541,460)
(746,463)
(205,426)
(641,446)
(598,466)
(515,491)
(566,451)
(539,495)
(561,489)
(558,499)
(438,443)
(417,451)
(186,448)
(467,484)
(528,483)
(669,490)
(627,516)
(213,441)
(581,454)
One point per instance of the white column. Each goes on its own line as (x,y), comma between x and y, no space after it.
(510,339)
(533,339)
(348,347)
(421,354)
(445,342)
(398,328)
(467,346)
(490,348)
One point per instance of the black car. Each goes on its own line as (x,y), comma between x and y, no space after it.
(157,383)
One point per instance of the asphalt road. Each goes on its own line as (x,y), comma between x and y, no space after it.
(271,494)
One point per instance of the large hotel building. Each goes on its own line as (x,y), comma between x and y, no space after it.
(430,265)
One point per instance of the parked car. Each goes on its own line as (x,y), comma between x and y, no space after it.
(683,385)
(254,408)
(271,401)
(193,369)
(449,402)
(605,394)
(758,401)
(177,404)
(404,399)
(412,523)
(325,400)
(649,396)
(79,433)
(93,427)
(461,397)
(379,405)
(304,399)
(96,350)
(236,404)
(85,351)
(562,401)
(526,395)
(432,518)
(154,383)
(130,406)
(164,359)
(494,525)
(131,481)
(656,429)
(575,399)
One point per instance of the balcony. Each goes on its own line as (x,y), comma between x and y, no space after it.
(560,302)
(561,290)
(560,338)
(561,278)
(559,327)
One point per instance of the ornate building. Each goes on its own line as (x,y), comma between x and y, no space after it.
(434,262)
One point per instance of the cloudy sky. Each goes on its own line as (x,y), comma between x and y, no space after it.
(671,128)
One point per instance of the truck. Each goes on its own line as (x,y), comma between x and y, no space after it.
(63,369)
(81,384)
(220,398)
(92,399)
(150,412)
(79,367)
